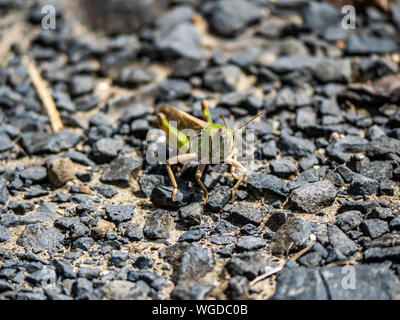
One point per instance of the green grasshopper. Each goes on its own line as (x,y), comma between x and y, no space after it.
(219,136)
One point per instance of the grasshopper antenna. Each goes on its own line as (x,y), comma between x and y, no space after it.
(223,118)
(248,121)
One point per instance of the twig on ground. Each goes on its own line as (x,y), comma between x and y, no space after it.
(341,262)
(281,265)
(45,96)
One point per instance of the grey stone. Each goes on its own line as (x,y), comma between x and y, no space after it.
(374,227)
(158,225)
(314,196)
(120,213)
(231,17)
(119,171)
(40,236)
(250,243)
(340,241)
(294,235)
(349,220)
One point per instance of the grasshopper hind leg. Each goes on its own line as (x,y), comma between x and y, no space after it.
(175,160)
(237,165)
(199,173)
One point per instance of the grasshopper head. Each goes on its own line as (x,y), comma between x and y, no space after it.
(221,139)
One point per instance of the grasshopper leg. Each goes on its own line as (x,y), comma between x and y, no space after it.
(233,168)
(199,173)
(175,160)
(238,166)
(206,112)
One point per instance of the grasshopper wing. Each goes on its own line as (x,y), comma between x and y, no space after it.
(183,119)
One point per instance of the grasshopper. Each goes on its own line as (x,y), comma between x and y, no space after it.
(217,135)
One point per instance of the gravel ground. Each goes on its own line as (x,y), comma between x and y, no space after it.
(83,215)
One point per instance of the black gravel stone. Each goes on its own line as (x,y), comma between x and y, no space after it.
(5,143)
(378,170)
(161,196)
(35,191)
(80,158)
(362,206)
(349,220)
(4,194)
(321,283)
(193,292)
(362,185)
(277,219)
(218,198)
(106,149)
(242,214)
(382,214)
(263,184)
(250,243)
(238,287)
(374,228)
(340,241)
(4,234)
(382,254)
(248,264)
(34,174)
(10,220)
(134,232)
(80,84)
(106,191)
(395,223)
(148,182)
(195,262)
(319,15)
(180,41)
(119,258)
(314,196)
(38,143)
(5,286)
(386,187)
(250,230)
(268,150)
(221,240)
(222,79)
(359,45)
(294,235)
(143,262)
(191,215)
(230,18)
(133,77)
(119,213)
(41,237)
(64,269)
(83,243)
(171,89)
(119,171)
(192,235)
(381,147)
(158,225)
(283,168)
(42,277)
(20,207)
(341,150)
(295,147)
(89,273)
(82,288)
